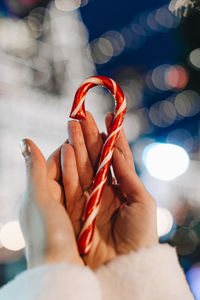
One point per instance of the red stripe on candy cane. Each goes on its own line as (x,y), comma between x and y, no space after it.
(78,112)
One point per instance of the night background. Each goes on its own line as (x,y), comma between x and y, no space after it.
(47,48)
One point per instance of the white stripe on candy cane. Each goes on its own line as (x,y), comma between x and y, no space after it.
(121,108)
(98,186)
(89,220)
(94,80)
(113,133)
(106,159)
(85,236)
(114,87)
(78,107)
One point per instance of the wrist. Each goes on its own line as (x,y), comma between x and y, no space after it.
(52,257)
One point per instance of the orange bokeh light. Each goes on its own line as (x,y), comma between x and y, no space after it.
(176,77)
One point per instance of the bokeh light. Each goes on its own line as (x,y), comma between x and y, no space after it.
(164,221)
(101,50)
(38,21)
(11,236)
(176,77)
(165,161)
(194,58)
(105,47)
(116,40)
(165,18)
(193,277)
(165,77)
(133,39)
(181,137)
(187,103)
(158,77)
(67,5)
(132,126)
(162,113)
(133,91)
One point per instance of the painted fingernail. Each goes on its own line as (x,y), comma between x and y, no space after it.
(25,147)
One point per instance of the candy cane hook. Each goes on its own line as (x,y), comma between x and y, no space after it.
(78,112)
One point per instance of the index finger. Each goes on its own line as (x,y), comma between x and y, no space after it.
(93,138)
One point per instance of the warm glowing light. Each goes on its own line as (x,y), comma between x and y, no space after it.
(116,40)
(193,277)
(165,161)
(158,77)
(194,58)
(133,39)
(187,103)
(101,50)
(176,77)
(11,236)
(181,137)
(68,5)
(105,47)
(162,113)
(164,221)
(165,18)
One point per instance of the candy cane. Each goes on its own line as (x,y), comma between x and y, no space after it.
(78,112)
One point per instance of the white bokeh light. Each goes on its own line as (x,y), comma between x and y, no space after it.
(164,221)
(11,236)
(194,58)
(67,5)
(165,161)
(193,277)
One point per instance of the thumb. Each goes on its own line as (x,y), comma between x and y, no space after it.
(36,167)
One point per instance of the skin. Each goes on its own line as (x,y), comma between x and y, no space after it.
(127,217)
(46,226)
(58,189)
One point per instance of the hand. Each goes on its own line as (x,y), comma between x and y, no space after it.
(47,229)
(127,217)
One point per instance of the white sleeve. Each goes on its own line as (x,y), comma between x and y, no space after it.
(60,281)
(151,273)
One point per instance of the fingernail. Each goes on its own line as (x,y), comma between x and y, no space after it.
(109,114)
(25,147)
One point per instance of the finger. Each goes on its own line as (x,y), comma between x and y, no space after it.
(122,143)
(53,165)
(70,177)
(84,166)
(111,175)
(36,168)
(93,138)
(130,184)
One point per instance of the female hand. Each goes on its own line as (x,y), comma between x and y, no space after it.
(47,229)
(126,219)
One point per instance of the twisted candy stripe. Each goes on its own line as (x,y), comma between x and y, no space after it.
(78,112)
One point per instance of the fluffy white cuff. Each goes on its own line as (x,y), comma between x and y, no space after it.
(51,282)
(149,274)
